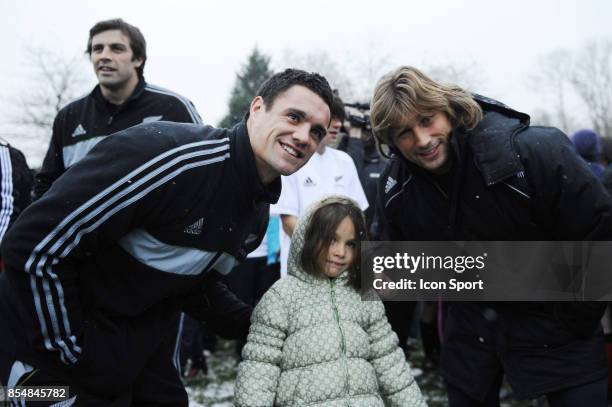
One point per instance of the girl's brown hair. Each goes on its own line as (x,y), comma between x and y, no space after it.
(321,230)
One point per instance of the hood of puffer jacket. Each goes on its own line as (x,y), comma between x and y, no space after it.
(297,242)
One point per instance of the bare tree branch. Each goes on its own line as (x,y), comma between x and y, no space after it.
(553,78)
(54,81)
(591,77)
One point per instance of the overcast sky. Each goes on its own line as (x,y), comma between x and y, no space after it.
(195,47)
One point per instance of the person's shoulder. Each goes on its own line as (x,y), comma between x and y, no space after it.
(542,140)
(338,154)
(183,133)
(283,290)
(164,93)
(341,157)
(74,105)
(180,105)
(542,133)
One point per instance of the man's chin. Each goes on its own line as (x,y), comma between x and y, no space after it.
(437,167)
(288,170)
(109,83)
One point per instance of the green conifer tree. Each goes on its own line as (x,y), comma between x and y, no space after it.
(252,74)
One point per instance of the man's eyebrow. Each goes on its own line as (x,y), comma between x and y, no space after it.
(112,44)
(297,112)
(398,131)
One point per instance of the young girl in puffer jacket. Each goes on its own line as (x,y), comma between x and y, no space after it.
(313,341)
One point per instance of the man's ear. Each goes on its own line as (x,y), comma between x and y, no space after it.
(138,62)
(257,104)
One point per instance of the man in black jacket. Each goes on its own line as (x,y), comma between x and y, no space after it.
(122,98)
(98,269)
(470,168)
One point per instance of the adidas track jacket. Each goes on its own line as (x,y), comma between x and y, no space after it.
(84,122)
(102,263)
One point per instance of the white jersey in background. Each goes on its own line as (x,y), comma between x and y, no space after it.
(332,172)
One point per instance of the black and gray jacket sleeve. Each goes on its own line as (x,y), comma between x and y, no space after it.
(15,186)
(53,164)
(113,190)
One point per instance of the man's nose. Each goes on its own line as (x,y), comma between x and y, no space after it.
(422,137)
(105,54)
(302,134)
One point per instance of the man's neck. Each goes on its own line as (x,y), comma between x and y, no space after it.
(266,174)
(120,95)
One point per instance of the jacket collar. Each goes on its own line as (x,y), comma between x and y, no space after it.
(96,93)
(492,141)
(247,169)
(300,274)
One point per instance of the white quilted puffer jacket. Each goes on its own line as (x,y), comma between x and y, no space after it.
(314,342)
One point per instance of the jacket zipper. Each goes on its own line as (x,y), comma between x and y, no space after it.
(440,189)
(451,202)
(343,340)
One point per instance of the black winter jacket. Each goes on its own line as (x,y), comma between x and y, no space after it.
(369,164)
(509,181)
(15,186)
(104,261)
(81,124)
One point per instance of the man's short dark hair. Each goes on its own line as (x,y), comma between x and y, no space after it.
(137,40)
(280,82)
(337,108)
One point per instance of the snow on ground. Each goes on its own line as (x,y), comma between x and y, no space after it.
(217,388)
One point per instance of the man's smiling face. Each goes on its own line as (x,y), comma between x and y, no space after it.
(113,60)
(423,140)
(285,135)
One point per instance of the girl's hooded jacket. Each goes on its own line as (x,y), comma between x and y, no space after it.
(315,342)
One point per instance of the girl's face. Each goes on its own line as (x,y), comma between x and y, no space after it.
(341,251)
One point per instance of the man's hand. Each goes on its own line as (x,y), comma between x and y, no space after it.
(212,302)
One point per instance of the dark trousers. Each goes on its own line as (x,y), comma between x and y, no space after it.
(157,384)
(400,315)
(591,394)
(457,398)
(8,343)
(192,344)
